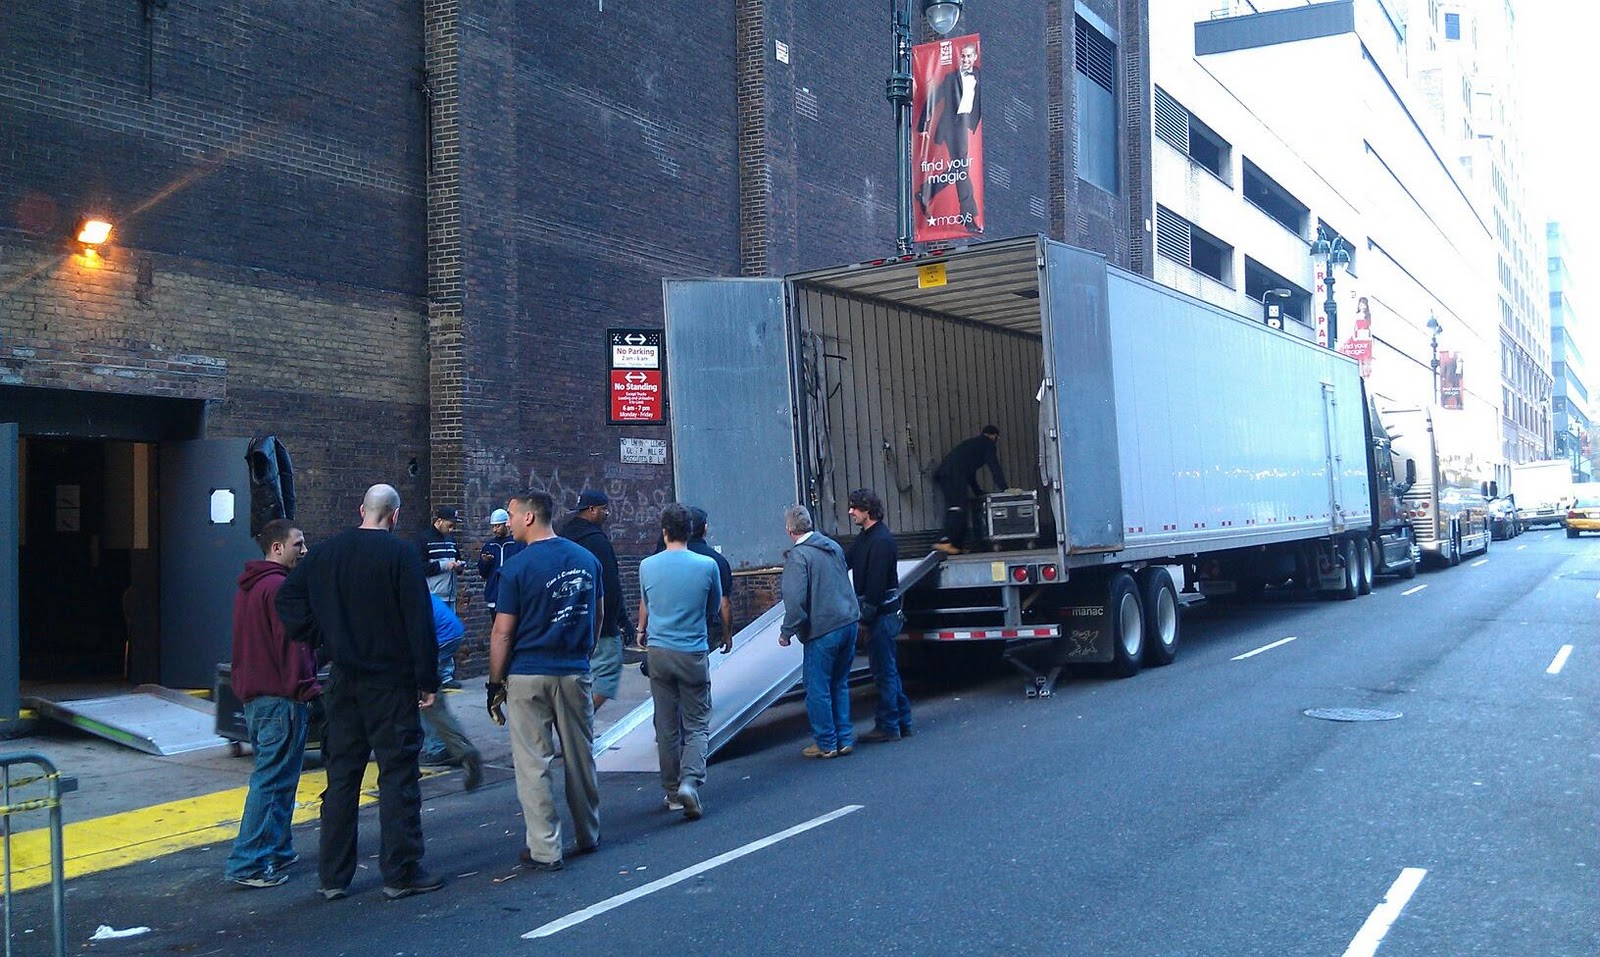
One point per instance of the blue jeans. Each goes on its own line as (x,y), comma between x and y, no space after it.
(894,708)
(827,675)
(265,844)
(432,744)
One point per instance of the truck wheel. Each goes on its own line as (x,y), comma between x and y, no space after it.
(1158,598)
(1367,567)
(1572,533)
(1409,570)
(1126,622)
(1352,574)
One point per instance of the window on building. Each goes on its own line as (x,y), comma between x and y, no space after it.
(1452,26)
(1274,200)
(1258,279)
(1095,77)
(1178,126)
(1188,245)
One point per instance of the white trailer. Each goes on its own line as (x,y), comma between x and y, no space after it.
(1156,430)
(1543,490)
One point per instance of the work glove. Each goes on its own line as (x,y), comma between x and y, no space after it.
(497,701)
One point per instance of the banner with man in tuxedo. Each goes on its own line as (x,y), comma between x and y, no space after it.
(947,148)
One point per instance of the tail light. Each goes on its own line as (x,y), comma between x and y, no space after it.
(1048,573)
(1021,574)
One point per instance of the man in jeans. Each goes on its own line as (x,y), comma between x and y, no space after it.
(874,565)
(363,595)
(680,594)
(274,677)
(820,609)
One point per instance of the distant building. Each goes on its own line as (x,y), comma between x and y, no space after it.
(1573,402)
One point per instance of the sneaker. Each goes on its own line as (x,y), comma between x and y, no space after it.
(333,893)
(292,860)
(525,858)
(879,736)
(907,731)
(421,882)
(670,802)
(812,751)
(473,762)
(451,685)
(689,797)
(434,759)
(266,879)
(847,749)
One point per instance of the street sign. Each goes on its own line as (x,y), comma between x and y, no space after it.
(644,451)
(636,396)
(635,375)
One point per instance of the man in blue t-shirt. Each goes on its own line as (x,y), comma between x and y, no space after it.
(547,616)
(680,595)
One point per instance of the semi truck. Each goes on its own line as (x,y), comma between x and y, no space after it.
(1158,433)
(1543,490)
(1448,504)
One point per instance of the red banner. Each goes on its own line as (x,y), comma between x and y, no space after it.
(947,140)
(1450,379)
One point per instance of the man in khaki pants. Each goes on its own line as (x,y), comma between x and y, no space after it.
(547,616)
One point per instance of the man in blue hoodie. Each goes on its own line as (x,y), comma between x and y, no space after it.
(820,609)
(547,617)
(274,677)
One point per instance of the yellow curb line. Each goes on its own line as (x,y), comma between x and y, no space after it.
(117,840)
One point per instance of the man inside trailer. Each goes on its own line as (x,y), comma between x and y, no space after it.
(957,475)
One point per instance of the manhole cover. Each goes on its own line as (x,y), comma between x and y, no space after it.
(1351,714)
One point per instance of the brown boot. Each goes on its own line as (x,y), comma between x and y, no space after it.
(947,548)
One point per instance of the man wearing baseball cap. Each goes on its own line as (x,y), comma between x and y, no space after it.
(494,554)
(584,527)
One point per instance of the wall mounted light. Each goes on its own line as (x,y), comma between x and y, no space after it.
(93,232)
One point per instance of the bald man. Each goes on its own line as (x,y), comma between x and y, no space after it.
(364,597)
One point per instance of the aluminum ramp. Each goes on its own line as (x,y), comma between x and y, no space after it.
(152,719)
(744,683)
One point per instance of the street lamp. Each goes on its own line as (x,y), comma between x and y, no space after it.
(1272,313)
(1332,253)
(1433,341)
(942,16)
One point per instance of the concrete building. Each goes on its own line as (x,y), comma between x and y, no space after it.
(396,236)
(1281,124)
(1463,54)
(1572,404)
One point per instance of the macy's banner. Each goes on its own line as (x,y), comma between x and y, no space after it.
(947,146)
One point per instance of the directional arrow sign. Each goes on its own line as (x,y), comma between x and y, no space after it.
(634,378)
(634,339)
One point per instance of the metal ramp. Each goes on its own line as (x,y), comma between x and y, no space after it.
(151,719)
(744,683)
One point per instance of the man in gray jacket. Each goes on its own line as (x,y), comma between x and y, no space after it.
(820,609)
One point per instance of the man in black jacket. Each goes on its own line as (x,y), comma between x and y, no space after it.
(363,596)
(957,475)
(698,519)
(605,664)
(874,562)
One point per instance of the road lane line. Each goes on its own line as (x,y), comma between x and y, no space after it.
(1252,654)
(1521,547)
(1385,914)
(1413,589)
(1481,561)
(1560,661)
(611,903)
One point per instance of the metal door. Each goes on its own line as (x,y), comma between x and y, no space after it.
(204,501)
(10,600)
(732,408)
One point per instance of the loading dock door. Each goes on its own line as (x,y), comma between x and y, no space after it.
(10,600)
(204,501)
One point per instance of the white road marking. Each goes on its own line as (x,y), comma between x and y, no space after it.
(611,903)
(1481,561)
(1385,914)
(1560,660)
(1252,654)
(1413,589)
(1521,547)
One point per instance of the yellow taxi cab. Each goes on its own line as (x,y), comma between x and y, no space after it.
(1583,515)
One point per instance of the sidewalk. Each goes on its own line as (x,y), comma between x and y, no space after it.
(132,806)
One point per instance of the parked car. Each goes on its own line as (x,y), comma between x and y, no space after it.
(1583,515)
(1503,520)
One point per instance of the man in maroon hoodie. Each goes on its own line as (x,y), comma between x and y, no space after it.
(274,677)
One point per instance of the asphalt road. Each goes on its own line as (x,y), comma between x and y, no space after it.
(1192,810)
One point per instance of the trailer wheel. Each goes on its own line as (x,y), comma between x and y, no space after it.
(1158,599)
(1367,566)
(1126,621)
(1352,575)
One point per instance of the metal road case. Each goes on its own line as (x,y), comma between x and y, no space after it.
(1011,516)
